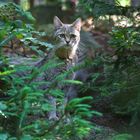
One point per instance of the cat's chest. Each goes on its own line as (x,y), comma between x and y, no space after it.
(62,66)
(67,64)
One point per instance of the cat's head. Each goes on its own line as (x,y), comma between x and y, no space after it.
(68,34)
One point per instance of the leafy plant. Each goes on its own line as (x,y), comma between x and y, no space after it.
(120,71)
(122,137)
(16,31)
(23,103)
(97,8)
(24,109)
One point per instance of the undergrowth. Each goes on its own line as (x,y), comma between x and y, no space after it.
(23,103)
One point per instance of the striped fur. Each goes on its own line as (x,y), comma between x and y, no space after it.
(68,36)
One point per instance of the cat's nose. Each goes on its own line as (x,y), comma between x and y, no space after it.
(67,42)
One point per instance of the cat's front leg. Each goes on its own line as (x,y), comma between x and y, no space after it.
(80,75)
(52,113)
(71,91)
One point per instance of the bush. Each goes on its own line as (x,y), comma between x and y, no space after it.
(23,103)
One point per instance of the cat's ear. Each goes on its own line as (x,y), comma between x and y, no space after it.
(57,22)
(77,24)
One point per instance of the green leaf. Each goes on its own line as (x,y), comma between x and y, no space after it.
(56,93)
(26,137)
(29,16)
(5,41)
(12,138)
(46,107)
(3,136)
(123,137)
(75,101)
(3,106)
(7,72)
(24,113)
(26,89)
(96,113)
(72,82)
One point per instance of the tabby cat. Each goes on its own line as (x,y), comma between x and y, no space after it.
(68,37)
(67,49)
(74,50)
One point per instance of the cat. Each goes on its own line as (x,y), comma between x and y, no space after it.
(68,34)
(70,49)
(68,38)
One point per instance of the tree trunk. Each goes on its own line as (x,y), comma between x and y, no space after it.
(110,2)
(17,1)
(135,3)
(31,3)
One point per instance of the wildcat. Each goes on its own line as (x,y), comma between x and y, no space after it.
(68,37)
(69,50)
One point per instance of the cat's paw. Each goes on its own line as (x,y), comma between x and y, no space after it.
(67,121)
(53,118)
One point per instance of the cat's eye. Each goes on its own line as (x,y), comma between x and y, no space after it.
(62,35)
(73,36)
